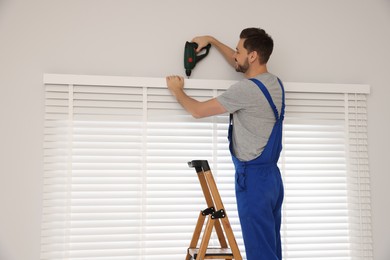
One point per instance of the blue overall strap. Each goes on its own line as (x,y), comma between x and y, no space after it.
(267,96)
(283,100)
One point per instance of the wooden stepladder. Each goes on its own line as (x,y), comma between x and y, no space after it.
(216,218)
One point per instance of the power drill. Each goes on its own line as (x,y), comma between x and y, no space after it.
(190,57)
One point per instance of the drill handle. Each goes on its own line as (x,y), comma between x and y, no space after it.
(201,56)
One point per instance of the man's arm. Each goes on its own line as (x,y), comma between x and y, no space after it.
(226,51)
(196,108)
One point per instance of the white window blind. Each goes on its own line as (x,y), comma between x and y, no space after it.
(117,185)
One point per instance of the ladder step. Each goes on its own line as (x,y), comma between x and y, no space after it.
(213,253)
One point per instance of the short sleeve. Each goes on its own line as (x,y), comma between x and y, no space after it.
(234,98)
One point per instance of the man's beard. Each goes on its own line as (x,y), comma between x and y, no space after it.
(242,68)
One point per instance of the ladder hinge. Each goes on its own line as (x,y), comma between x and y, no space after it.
(208,211)
(218,214)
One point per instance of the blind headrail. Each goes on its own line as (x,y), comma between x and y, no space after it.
(99,80)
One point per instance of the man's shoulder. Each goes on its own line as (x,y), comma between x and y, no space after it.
(267,77)
(241,83)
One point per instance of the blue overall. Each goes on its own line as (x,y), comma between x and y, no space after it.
(260,192)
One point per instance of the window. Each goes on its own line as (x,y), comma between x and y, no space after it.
(117,185)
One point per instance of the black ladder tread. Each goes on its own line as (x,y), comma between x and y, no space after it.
(213,253)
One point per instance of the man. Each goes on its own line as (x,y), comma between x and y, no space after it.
(256,107)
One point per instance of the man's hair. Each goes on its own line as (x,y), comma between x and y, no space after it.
(256,39)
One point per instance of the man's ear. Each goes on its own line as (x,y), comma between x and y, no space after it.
(253,56)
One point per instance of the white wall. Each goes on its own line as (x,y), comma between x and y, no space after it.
(316,41)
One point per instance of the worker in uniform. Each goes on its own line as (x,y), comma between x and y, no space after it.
(256,107)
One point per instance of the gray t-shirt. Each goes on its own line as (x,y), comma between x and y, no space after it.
(253,118)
